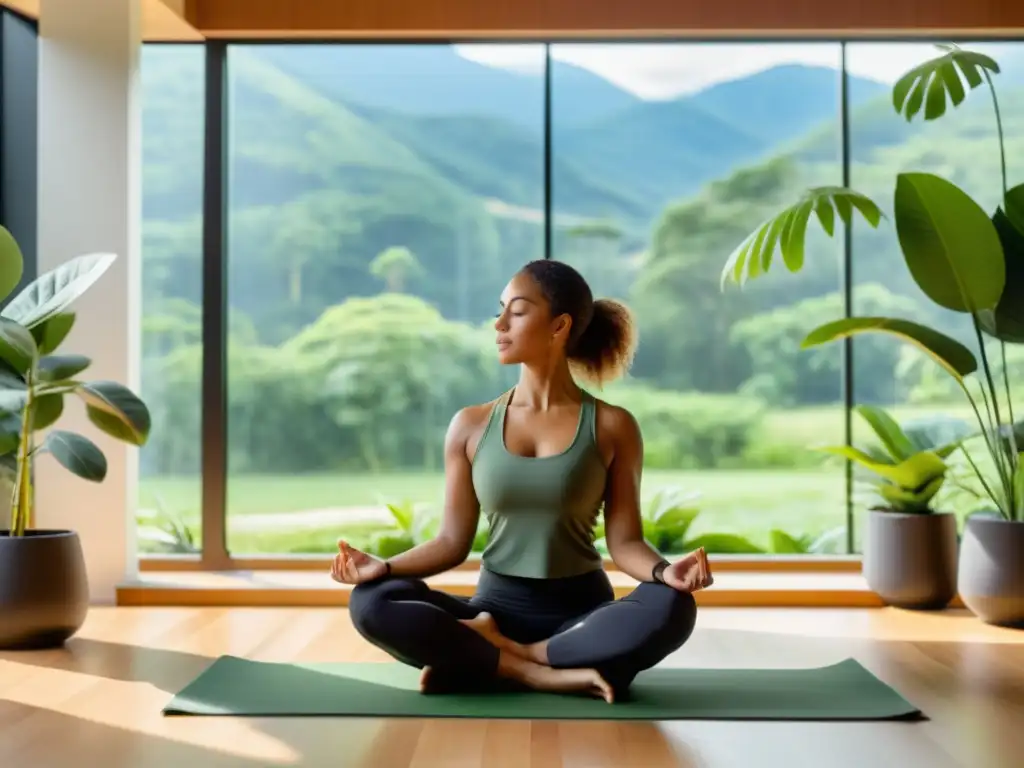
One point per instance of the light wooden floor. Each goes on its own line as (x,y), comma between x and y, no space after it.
(97,702)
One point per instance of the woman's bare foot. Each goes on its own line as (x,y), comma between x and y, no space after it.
(541,678)
(432,681)
(485,625)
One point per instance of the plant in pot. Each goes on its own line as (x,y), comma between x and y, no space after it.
(910,548)
(44,593)
(965,260)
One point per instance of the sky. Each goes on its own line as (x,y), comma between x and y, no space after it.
(668,70)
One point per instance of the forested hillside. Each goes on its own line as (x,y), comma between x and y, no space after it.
(379,200)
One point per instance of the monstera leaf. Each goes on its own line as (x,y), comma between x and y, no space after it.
(787,231)
(929,84)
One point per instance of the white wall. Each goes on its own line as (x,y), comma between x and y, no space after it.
(89,200)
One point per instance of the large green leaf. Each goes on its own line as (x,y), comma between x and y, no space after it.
(950,244)
(60,367)
(13,389)
(47,409)
(17,347)
(1014,203)
(911,474)
(787,231)
(50,333)
(911,499)
(77,454)
(53,292)
(953,356)
(116,410)
(12,263)
(1006,322)
(887,430)
(928,84)
(10,431)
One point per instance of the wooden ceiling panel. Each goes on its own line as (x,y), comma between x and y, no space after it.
(192,20)
(590,18)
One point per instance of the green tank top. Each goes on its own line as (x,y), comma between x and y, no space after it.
(541,511)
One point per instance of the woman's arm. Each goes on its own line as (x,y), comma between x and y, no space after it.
(453,542)
(622,526)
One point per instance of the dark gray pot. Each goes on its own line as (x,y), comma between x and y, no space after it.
(992,570)
(44,592)
(910,560)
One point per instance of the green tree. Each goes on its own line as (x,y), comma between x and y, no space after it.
(395,266)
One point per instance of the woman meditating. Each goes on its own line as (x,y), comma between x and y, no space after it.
(540,461)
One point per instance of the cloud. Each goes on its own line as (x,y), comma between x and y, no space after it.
(668,70)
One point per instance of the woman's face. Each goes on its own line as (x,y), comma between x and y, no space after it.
(526,331)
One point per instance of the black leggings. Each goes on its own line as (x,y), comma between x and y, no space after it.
(579,616)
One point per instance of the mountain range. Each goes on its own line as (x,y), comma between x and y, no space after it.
(481,127)
(339,152)
(633,155)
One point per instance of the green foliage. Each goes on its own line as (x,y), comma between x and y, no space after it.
(950,245)
(784,374)
(955,254)
(669,516)
(163,531)
(1006,321)
(689,430)
(907,466)
(34,382)
(929,84)
(414,524)
(787,231)
(953,356)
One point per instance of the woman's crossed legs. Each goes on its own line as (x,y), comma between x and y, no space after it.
(461,643)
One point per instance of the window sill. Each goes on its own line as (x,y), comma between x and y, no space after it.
(306,588)
(322,563)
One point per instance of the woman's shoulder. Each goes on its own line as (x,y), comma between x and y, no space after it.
(615,420)
(471,419)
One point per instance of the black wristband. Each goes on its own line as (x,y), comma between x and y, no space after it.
(659,569)
(387,567)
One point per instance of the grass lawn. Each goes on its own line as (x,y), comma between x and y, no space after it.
(747,502)
(744,501)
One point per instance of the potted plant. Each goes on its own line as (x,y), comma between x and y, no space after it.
(965,260)
(910,548)
(44,593)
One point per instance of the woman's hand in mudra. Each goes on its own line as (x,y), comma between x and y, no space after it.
(354,567)
(690,573)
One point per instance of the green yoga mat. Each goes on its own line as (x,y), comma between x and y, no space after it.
(238,687)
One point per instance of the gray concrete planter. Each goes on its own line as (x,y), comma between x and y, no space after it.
(910,560)
(44,592)
(992,570)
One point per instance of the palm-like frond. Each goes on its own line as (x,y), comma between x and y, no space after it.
(927,85)
(787,231)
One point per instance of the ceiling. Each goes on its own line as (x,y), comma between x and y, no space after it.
(191,20)
(161,19)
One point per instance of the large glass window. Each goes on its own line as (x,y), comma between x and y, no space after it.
(380,198)
(172,330)
(961,146)
(380,195)
(682,150)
